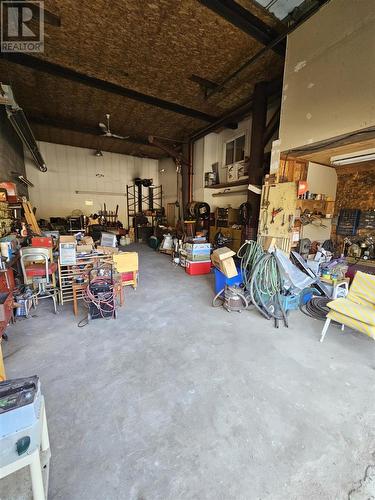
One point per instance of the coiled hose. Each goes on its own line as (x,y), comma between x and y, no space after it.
(249,253)
(261,277)
(265,288)
(316,307)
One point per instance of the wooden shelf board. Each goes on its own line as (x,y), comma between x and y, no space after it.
(228,184)
(315,201)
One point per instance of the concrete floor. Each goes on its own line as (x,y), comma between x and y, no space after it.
(175,399)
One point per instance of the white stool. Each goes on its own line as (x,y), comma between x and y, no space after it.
(33,461)
(340,289)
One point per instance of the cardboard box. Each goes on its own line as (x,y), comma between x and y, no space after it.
(126,262)
(107,250)
(198,257)
(87,240)
(84,248)
(222,258)
(198,247)
(223,253)
(67,238)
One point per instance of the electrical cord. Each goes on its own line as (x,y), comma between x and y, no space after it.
(316,308)
(105,302)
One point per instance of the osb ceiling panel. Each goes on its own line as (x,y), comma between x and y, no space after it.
(152,46)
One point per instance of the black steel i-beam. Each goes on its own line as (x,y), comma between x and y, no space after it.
(243,19)
(256,160)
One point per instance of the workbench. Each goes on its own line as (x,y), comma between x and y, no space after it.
(366,266)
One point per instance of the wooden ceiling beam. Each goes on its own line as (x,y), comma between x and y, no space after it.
(243,19)
(44,66)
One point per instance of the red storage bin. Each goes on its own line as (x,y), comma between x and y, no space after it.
(195,268)
(42,242)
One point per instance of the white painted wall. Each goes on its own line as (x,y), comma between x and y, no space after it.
(168,179)
(329,74)
(211,149)
(320,179)
(73,169)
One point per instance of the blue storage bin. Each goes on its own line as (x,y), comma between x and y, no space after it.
(290,302)
(221,280)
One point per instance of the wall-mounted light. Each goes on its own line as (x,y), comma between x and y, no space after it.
(105,193)
(23,179)
(162,170)
(98,153)
(357,157)
(99,175)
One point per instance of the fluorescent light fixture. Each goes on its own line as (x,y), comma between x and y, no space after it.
(106,193)
(18,119)
(23,179)
(356,157)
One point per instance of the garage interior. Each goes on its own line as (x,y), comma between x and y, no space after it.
(190,186)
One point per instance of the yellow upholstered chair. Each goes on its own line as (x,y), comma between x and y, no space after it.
(357,309)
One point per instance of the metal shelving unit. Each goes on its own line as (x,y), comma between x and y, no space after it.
(151,201)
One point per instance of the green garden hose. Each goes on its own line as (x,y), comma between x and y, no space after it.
(249,253)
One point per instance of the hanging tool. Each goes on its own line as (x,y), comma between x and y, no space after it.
(275,211)
(290,222)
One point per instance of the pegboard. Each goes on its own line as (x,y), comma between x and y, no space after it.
(274,197)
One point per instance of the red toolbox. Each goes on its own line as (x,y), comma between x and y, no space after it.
(195,268)
(42,242)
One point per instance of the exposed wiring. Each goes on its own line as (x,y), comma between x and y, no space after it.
(105,302)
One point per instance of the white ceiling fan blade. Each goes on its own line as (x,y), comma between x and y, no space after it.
(120,136)
(103,126)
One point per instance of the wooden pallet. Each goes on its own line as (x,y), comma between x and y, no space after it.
(30,217)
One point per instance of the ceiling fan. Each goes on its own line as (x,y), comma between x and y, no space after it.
(107,131)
